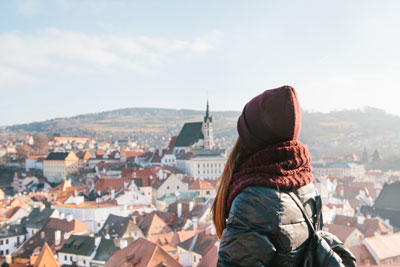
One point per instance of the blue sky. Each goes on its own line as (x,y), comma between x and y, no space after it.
(67,57)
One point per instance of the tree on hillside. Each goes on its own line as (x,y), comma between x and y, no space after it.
(23,152)
(41,142)
(376,157)
(364,158)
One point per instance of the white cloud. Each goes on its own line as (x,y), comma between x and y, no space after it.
(27,7)
(207,42)
(63,51)
(11,77)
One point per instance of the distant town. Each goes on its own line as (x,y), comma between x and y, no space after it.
(78,201)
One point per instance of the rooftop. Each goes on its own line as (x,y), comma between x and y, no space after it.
(384,246)
(190,133)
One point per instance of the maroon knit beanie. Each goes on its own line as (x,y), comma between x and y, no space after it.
(269,118)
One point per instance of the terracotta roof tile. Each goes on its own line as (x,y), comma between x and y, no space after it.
(64,225)
(384,246)
(138,173)
(346,220)
(107,184)
(370,226)
(362,255)
(341,231)
(141,253)
(151,223)
(200,184)
(199,243)
(46,258)
(211,257)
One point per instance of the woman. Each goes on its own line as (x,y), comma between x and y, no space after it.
(258,223)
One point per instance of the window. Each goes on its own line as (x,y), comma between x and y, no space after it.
(167,187)
(70,258)
(6,241)
(177,187)
(6,251)
(65,257)
(207,192)
(194,258)
(1,253)
(1,242)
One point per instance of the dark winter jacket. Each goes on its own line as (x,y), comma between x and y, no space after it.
(266,228)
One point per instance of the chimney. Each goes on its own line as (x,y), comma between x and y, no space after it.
(360,220)
(179,209)
(191,205)
(112,193)
(97,241)
(195,223)
(70,217)
(213,231)
(75,193)
(62,215)
(78,200)
(98,200)
(42,235)
(57,237)
(134,219)
(123,243)
(160,152)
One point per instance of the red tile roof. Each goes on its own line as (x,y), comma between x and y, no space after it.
(370,226)
(141,253)
(346,220)
(211,257)
(107,184)
(151,223)
(171,144)
(200,243)
(384,246)
(46,258)
(197,211)
(362,255)
(341,231)
(200,184)
(138,173)
(64,225)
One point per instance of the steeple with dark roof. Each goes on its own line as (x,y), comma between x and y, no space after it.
(207,116)
(207,128)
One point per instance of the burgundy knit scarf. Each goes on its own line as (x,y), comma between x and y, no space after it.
(283,166)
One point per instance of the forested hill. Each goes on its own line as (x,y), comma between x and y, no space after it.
(368,127)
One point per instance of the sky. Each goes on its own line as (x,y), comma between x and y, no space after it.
(61,58)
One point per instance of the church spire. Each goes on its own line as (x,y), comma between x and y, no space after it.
(207,116)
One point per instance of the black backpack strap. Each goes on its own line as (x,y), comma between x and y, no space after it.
(301,207)
(318,206)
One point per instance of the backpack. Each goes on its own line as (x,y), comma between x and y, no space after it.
(324,249)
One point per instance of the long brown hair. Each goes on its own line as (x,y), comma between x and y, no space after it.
(218,209)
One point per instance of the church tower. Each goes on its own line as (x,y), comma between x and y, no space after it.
(208,132)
